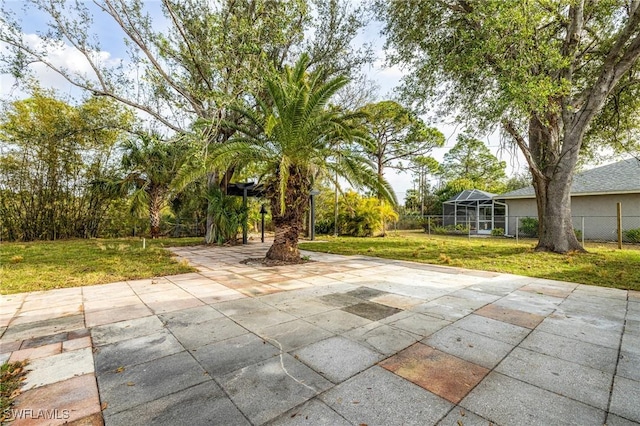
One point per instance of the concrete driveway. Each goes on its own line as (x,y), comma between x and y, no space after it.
(341,340)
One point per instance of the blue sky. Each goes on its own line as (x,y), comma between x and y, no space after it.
(111,41)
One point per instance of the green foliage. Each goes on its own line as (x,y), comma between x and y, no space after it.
(363,217)
(458,229)
(227,214)
(396,134)
(151,165)
(547,72)
(293,140)
(528,227)
(471,161)
(51,153)
(632,235)
(497,232)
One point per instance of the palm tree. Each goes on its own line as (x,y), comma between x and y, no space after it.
(151,165)
(293,136)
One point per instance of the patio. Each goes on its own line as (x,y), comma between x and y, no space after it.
(341,340)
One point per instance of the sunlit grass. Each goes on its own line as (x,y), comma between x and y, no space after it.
(603,265)
(47,265)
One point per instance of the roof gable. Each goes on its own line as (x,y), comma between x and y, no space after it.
(623,176)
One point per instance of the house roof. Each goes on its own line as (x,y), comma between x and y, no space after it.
(469,196)
(616,178)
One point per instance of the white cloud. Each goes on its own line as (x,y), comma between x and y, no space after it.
(62,56)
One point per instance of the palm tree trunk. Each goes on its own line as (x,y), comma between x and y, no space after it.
(289,221)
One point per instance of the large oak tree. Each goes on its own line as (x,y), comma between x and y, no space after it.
(546,70)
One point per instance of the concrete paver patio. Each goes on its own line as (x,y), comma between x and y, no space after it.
(341,340)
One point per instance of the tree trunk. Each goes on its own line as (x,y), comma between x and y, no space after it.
(155,205)
(289,222)
(555,157)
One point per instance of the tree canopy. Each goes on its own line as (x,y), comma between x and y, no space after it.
(549,72)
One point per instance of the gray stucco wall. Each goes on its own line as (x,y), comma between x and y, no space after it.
(599,212)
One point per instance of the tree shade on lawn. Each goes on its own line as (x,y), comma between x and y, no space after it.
(293,137)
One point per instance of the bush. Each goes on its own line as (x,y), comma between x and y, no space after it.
(578,234)
(528,227)
(427,224)
(450,230)
(363,217)
(497,232)
(632,235)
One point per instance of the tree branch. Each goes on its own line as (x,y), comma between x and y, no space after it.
(510,128)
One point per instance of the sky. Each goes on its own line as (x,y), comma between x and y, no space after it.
(113,50)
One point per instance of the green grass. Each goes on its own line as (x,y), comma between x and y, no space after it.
(604,265)
(11,378)
(45,265)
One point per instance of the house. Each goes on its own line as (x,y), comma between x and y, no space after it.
(594,197)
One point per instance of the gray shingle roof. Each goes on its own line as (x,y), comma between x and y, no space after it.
(623,176)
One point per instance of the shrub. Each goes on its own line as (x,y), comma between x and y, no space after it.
(632,235)
(497,232)
(578,234)
(528,227)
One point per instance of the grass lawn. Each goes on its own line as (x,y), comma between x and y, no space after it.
(604,265)
(11,377)
(45,265)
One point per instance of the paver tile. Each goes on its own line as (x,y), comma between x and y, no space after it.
(366,293)
(575,381)
(37,352)
(576,351)
(136,351)
(600,332)
(123,330)
(371,310)
(507,401)
(382,338)
(257,320)
(205,333)
(108,316)
(469,346)
(337,321)
(65,401)
(265,390)
(459,416)
(75,344)
(445,375)
(43,328)
(293,334)
(314,412)
(228,355)
(512,316)
(55,368)
(379,397)
(397,301)
(150,381)
(498,330)
(421,325)
(199,405)
(337,358)
(625,397)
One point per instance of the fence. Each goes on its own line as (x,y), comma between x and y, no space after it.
(587,228)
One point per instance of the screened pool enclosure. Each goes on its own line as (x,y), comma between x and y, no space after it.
(475,210)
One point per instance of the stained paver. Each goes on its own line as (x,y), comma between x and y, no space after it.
(445,375)
(341,340)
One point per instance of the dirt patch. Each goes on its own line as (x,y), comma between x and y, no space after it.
(263,261)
